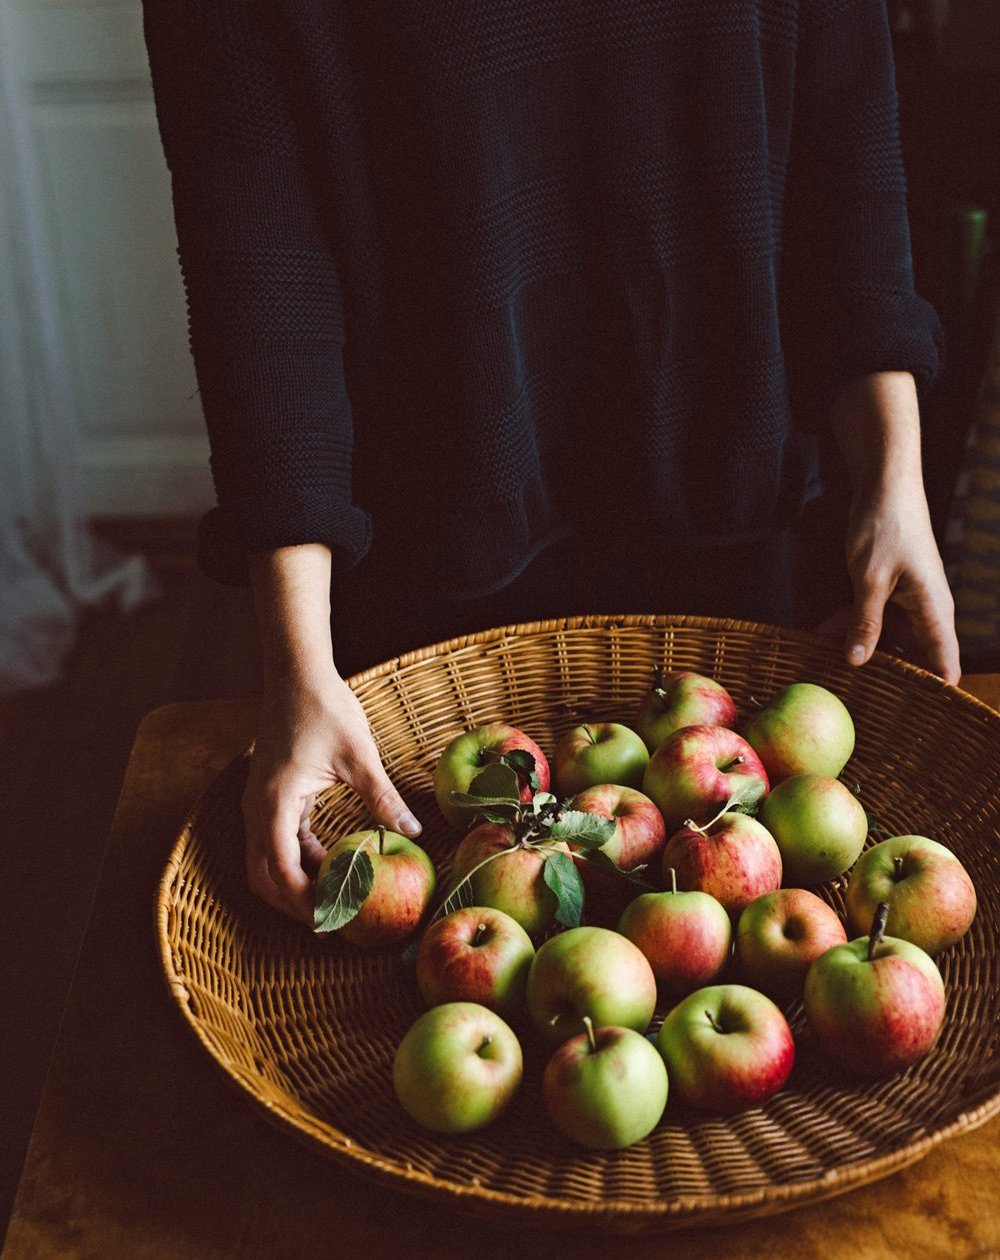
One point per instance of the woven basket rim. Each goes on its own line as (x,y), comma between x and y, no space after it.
(352,1155)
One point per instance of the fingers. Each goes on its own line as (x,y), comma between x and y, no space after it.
(272,816)
(313,852)
(368,778)
(932,620)
(871,591)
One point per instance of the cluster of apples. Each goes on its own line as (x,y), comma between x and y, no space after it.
(654,829)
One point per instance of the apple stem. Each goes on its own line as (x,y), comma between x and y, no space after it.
(878,929)
(381,837)
(590,1033)
(673,880)
(590,733)
(487,1041)
(738,760)
(714,1022)
(479,933)
(897,868)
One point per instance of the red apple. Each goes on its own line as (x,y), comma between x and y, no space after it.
(819,825)
(876,1004)
(475,955)
(682,699)
(686,937)
(472,752)
(726,1048)
(457,1068)
(605,1088)
(734,859)
(780,936)
(805,729)
(931,899)
(402,888)
(589,971)
(637,840)
(698,770)
(506,876)
(598,752)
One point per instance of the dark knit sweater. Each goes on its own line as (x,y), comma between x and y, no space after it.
(464,275)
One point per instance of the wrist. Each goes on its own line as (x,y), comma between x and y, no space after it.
(876,421)
(291,592)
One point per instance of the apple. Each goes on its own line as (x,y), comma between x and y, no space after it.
(471,752)
(686,937)
(475,955)
(819,825)
(734,858)
(682,698)
(805,729)
(605,1088)
(457,1068)
(402,888)
(598,752)
(931,899)
(506,876)
(780,935)
(637,840)
(589,971)
(875,1004)
(727,1048)
(698,770)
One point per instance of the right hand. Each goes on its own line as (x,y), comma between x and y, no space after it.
(309,737)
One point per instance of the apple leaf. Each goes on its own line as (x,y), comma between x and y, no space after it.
(522,762)
(342,890)
(600,859)
(564,879)
(493,816)
(586,831)
(496,785)
(541,799)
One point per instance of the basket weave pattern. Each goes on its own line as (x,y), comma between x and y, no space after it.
(307,1027)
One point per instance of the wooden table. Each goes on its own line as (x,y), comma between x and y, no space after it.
(140,1150)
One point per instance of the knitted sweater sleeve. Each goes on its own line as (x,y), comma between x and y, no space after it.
(855,308)
(264,304)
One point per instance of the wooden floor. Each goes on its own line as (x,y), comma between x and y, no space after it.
(62,756)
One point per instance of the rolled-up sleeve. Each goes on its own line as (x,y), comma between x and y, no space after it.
(853,308)
(264,303)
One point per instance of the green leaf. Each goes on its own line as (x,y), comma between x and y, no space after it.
(601,860)
(343,889)
(541,799)
(493,816)
(496,785)
(564,879)
(521,762)
(587,831)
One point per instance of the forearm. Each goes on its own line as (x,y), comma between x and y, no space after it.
(876,421)
(291,592)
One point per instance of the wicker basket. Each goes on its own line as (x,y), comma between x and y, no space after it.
(307,1027)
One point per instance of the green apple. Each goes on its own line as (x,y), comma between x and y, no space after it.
(402,888)
(686,937)
(876,1004)
(598,752)
(605,1088)
(819,825)
(507,876)
(589,971)
(682,698)
(475,955)
(457,1068)
(931,899)
(805,729)
(780,935)
(727,1048)
(470,753)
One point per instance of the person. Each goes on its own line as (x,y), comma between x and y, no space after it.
(508,311)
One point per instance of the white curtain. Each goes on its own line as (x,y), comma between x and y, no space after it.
(50,567)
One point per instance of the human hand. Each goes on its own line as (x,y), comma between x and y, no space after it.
(901,593)
(309,737)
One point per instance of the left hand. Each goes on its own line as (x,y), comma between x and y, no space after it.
(901,593)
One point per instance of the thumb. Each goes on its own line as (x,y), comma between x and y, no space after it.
(379,794)
(865,624)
